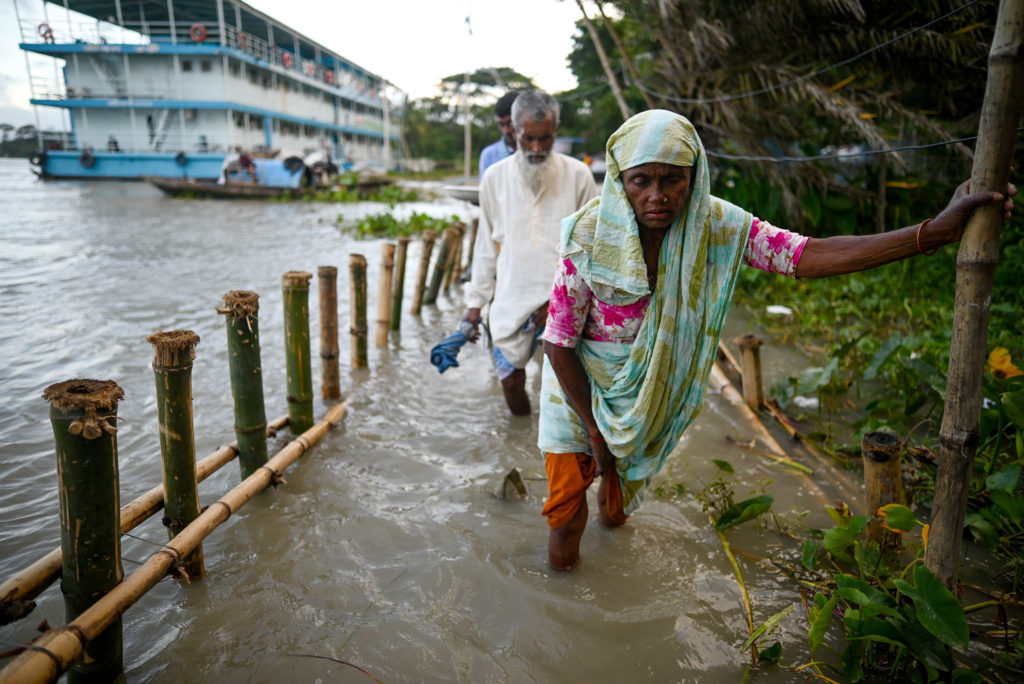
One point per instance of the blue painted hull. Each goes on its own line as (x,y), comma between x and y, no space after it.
(70,164)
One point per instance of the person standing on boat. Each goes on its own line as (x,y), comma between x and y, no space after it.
(522,201)
(506,145)
(642,288)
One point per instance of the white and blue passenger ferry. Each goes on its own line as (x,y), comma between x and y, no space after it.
(172,87)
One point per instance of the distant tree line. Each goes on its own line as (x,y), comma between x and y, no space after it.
(17,141)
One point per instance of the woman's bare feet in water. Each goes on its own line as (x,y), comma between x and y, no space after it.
(602,501)
(564,541)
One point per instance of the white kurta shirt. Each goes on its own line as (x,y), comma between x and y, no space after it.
(516,251)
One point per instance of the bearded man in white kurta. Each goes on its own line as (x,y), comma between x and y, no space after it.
(523,200)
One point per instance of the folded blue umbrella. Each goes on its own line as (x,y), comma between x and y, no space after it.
(444,354)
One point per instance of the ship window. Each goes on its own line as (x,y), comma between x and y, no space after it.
(255,121)
(186,65)
(235,69)
(239,119)
(205,65)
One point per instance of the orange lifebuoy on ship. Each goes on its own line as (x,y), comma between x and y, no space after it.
(197,32)
(45,32)
(286,59)
(329,76)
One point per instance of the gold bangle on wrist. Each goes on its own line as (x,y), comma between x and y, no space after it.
(918,239)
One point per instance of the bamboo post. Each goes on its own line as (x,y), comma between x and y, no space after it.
(975,267)
(440,266)
(473,228)
(357,271)
(330,381)
(456,268)
(387,266)
(172,367)
(16,594)
(399,288)
(883,483)
(753,391)
(295,287)
(83,414)
(429,237)
(55,651)
(241,308)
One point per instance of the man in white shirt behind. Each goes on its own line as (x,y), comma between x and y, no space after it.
(523,200)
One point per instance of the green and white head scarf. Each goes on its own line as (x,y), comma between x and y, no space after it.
(645,394)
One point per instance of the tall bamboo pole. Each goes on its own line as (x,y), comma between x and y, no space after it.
(295,287)
(83,414)
(398,292)
(357,326)
(753,388)
(626,58)
(241,308)
(387,267)
(16,594)
(440,266)
(429,237)
(975,266)
(58,648)
(330,380)
(172,367)
(603,57)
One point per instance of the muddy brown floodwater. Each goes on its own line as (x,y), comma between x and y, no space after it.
(388,547)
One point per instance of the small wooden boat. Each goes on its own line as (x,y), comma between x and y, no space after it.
(467,193)
(190,187)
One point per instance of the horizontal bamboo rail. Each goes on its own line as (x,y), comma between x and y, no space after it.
(720,381)
(17,592)
(56,650)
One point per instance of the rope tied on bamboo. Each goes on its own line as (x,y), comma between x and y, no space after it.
(91,397)
(276,478)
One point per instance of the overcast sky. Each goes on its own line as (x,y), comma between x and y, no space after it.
(412,43)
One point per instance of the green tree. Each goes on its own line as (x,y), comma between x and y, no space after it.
(699,57)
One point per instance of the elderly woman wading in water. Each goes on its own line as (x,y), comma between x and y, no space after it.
(646,275)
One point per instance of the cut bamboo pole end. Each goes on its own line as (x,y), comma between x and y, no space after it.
(241,310)
(173,353)
(357,325)
(440,267)
(83,414)
(883,483)
(398,291)
(429,237)
(387,266)
(330,377)
(295,296)
(753,388)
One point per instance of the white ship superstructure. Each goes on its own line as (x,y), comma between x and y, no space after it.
(169,87)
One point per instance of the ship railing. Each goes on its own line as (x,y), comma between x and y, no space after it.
(62,31)
(339,79)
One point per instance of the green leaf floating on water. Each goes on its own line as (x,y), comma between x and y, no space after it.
(744,511)
(936,607)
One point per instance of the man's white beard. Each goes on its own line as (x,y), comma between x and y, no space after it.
(534,175)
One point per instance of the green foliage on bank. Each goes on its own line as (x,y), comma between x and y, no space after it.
(385,225)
